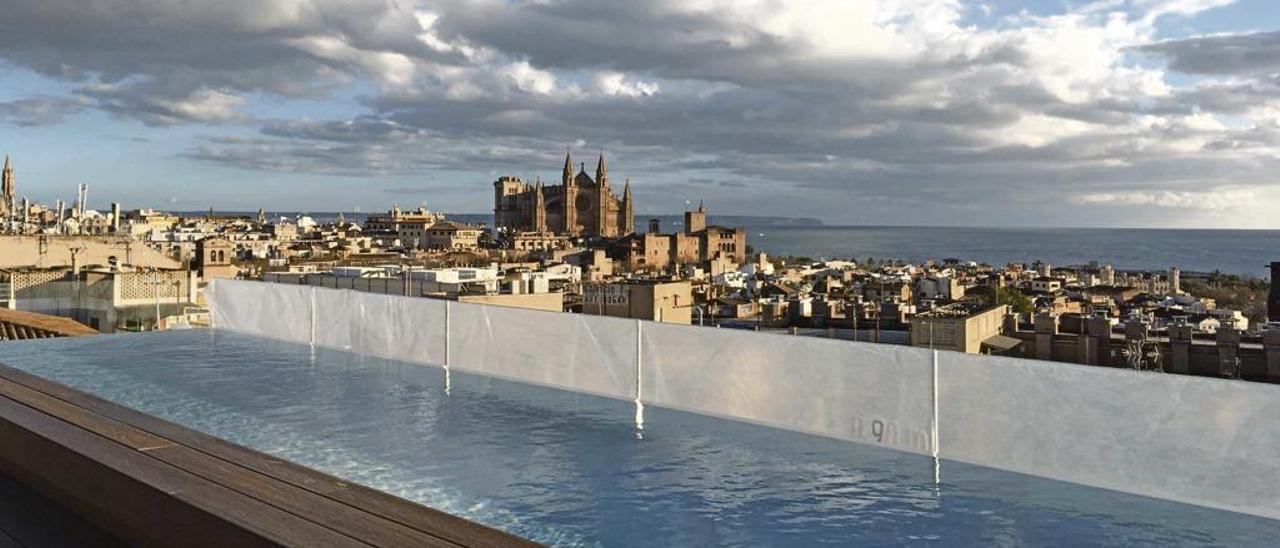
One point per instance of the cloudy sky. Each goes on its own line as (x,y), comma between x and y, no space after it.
(929,112)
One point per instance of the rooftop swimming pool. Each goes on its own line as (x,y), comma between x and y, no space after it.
(570,469)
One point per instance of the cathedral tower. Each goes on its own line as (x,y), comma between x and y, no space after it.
(7,205)
(628,219)
(579,206)
(695,221)
(539,210)
(570,216)
(603,199)
(6,180)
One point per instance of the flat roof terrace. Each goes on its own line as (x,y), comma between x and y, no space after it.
(77,469)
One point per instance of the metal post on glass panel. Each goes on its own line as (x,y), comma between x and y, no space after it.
(933,427)
(155,290)
(448,380)
(312,335)
(639,379)
(446,334)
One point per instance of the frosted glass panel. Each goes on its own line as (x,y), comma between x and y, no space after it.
(264,309)
(341,320)
(594,354)
(864,392)
(1204,441)
(413,332)
(388,326)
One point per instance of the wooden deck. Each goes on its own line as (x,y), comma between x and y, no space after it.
(151,482)
(39,522)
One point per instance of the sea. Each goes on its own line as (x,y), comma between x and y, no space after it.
(1242,252)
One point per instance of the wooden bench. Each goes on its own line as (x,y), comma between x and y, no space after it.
(151,482)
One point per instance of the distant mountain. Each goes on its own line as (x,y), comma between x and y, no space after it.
(761,221)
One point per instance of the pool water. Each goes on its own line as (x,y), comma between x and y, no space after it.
(574,470)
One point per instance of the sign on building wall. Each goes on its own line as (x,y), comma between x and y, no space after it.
(608,294)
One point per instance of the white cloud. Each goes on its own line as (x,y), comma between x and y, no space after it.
(617,83)
(1219,199)
(206,105)
(1159,8)
(529,79)
(141,99)
(40,110)
(389,68)
(905,101)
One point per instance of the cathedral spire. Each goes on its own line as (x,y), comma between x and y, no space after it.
(602,172)
(567,177)
(628,214)
(6,178)
(539,210)
(569,199)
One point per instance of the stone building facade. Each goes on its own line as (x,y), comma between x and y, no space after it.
(214,258)
(668,302)
(699,243)
(393,221)
(960,327)
(578,206)
(104,299)
(448,236)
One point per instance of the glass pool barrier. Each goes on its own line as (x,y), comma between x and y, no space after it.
(570,469)
(1202,441)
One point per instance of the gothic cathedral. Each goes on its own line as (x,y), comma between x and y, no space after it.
(578,206)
